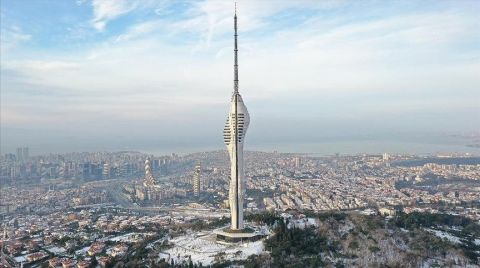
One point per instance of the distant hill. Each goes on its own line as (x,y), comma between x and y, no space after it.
(439,161)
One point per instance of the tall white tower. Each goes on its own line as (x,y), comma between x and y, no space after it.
(234,136)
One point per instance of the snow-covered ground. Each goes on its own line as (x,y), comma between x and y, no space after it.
(56,250)
(130,237)
(302,223)
(367,211)
(443,234)
(151,244)
(83,251)
(207,250)
(20,259)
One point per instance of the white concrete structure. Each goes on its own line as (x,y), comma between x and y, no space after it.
(234,136)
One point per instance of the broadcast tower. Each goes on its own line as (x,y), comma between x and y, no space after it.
(234,136)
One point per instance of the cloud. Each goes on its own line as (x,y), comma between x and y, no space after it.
(48,65)
(139,30)
(107,10)
(12,37)
(80,2)
(375,55)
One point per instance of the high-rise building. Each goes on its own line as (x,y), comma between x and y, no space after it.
(298,162)
(234,137)
(22,154)
(106,171)
(10,157)
(25,153)
(149,179)
(197,186)
(62,171)
(19,155)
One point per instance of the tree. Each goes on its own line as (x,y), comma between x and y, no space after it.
(190,263)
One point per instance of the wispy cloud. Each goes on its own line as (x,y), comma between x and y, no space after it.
(107,10)
(140,30)
(11,37)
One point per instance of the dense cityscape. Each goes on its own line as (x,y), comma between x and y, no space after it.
(72,209)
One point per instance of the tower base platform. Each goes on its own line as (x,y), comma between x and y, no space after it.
(233,236)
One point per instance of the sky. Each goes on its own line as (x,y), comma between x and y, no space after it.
(93,75)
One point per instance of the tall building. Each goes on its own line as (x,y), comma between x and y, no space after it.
(298,162)
(149,179)
(106,171)
(19,155)
(62,171)
(25,153)
(22,154)
(197,186)
(234,137)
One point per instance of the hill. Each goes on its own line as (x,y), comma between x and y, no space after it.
(357,240)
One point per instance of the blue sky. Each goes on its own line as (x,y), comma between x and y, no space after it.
(111,75)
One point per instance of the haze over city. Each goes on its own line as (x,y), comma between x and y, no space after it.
(357,76)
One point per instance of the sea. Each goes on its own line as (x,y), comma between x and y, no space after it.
(433,146)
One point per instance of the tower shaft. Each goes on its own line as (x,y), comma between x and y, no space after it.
(234,133)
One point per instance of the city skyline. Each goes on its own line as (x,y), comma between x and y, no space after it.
(116,75)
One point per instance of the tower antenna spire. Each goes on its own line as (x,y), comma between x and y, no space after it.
(235,66)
